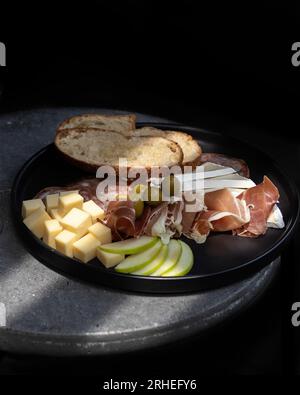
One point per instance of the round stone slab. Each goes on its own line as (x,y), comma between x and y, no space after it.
(44,312)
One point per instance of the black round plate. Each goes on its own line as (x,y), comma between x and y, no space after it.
(222,259)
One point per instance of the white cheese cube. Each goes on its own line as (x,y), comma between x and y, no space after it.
(84,249)
(77,221)
(94,210)
(36,222)
(63,193)
(101,232)
(67,202)
(55,215)
(64,242)
(29,206)
(108,259)
(52,201)
(52,229)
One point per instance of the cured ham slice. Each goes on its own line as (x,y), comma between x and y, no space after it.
(141,223)
(200,230)
(223,221)
(159,211)
(224,213)
(261,200)
(165,221)
(188,219)
(120,218)
(174,217)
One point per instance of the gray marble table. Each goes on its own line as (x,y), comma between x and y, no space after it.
(43,312)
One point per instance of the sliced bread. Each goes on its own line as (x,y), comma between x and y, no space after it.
(190,148)
(90,148)
(124,124)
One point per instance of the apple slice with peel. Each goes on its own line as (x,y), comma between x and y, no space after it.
(155,264)
(130,246)
(135,262)
(184,263)
(174,251)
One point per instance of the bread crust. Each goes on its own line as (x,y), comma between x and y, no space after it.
(195,162)
(67,123)
(151,131)
(91,167)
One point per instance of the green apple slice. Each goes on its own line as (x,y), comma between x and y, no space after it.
(174,251)
(184,264)
(155,264)
(130,246)
(135,262)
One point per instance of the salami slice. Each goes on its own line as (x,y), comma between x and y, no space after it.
(237,164)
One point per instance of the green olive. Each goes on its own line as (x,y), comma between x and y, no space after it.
(138,188)
(136,193)
(139,208)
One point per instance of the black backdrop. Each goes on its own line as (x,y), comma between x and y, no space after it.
(216,67)
(234,60)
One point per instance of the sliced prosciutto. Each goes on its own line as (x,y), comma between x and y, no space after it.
(224,212)
(245,215)
(120,218)
(166,221)
(261,200)
(244,212)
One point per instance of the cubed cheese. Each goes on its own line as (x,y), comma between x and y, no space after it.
(52,201)
(36,221)
(101,232)
(67,202)
(52,229)
(84,249)
(55,215)
(94,210)
(63,193)
(64,242)
(108,259)
(29,206)
(77,221)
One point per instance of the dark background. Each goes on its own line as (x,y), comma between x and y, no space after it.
(222,69)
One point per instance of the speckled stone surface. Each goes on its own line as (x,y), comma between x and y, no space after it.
(48,313)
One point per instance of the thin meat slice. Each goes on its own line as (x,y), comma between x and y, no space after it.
(237,164)
(188,219)
(120,218)
(261,200)
(225,211)
(175,216)
(165,221)
(200,228)
(141,223)
(155,214)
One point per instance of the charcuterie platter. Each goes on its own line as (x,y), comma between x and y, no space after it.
(122,243)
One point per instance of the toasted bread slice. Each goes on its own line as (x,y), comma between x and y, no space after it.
(190,148)
(90,148)
(124,124)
